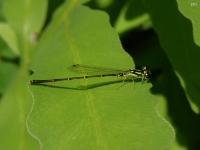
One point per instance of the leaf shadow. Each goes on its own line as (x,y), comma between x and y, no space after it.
(90,86)
(144,46)
(86,87)
(148,51)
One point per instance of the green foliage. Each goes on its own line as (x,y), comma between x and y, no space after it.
(106,116)
(179,41)
(98,113)
(9,36)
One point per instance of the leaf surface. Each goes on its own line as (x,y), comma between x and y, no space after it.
(100,113)
(23,19)
(9,37)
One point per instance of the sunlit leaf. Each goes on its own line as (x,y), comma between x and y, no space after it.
(100,113)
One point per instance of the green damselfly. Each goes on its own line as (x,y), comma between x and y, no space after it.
(131,74)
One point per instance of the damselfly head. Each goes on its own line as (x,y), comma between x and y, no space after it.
(146,72)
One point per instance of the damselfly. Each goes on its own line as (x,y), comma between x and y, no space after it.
(131,74)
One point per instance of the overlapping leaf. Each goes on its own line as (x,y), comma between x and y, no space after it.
(176,35)
(24,18)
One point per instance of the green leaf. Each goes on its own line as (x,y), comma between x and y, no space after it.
(107,113)
(124,15)
(132,15)
(180,143)
(26,19)
(102,4)
(14,108)
(8,35)
(1,11)
(6,74)
(190,9)
(176,34)
(8,67)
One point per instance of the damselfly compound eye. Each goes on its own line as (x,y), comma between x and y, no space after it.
(146,72)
